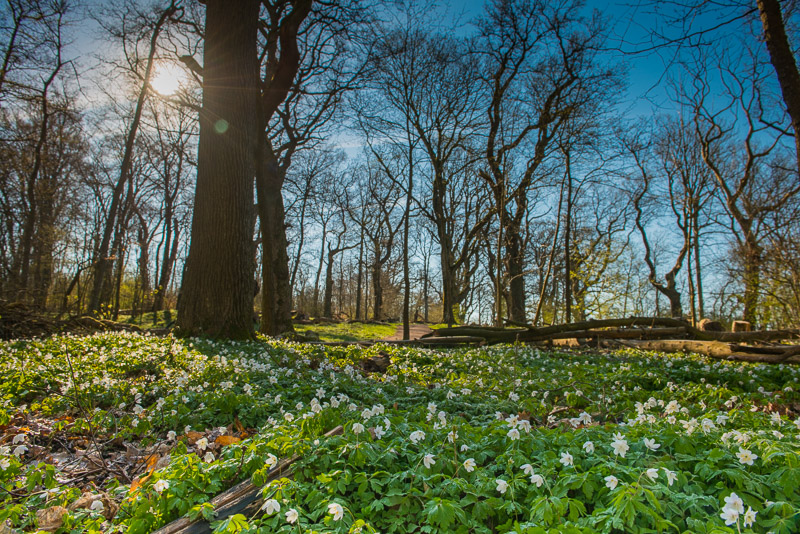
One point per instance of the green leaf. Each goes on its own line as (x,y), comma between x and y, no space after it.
(233,525)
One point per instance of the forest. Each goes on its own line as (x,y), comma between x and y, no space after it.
(350,266)
(500,164)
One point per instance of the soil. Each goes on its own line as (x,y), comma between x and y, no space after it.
(415,331)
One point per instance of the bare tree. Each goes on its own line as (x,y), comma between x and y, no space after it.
(144,29)
(378,210)
(644,199)
(36,45)
(308,60)
(750,181)
(542,67)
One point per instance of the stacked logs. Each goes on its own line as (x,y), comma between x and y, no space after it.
(647,333)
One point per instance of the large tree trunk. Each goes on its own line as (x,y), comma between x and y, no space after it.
(752,280)
(446,258)
(448,283)
(783,61)
(217,293)
(276,293)
(515,264)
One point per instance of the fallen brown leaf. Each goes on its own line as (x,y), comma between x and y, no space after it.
(224,441)
(50,519)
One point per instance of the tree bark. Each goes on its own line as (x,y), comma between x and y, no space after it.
(377,286)
(279,75)
(752,278)
(515,265)
(568,242)
(360,275)
(217,293)
(783,61)
(276,293)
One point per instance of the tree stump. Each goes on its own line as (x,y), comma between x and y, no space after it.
(709,325)
(741,326)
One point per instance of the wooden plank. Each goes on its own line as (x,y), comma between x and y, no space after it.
(241,498)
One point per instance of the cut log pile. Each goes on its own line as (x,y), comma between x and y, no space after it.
(647,333)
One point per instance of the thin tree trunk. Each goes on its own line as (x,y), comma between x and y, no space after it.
(27,240)
(377,288)
(568,244)
(359,315)
(120,276)
(516,293)
(406,221)
(319,269)
(697,270)
(327,300)
(300,239)
(167,263)
(425,298)
(690,286)
(103,263)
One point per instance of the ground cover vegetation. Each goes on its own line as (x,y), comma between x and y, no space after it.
(348,331)
(127,432)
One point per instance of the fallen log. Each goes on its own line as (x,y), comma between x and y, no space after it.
(715,349)
(630,333)
(718,349)
(243,498)
(439,341)
(495,335)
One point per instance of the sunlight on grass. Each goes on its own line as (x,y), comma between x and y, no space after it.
(349,331)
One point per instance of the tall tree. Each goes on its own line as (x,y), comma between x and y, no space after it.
(783,61)
(542,67)
(217,292)
(743,155)
(307,53)
(104,261)
(643,198)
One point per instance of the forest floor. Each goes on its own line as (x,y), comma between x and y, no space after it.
(128,432)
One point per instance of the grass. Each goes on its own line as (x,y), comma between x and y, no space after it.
(349,331)
(145,320)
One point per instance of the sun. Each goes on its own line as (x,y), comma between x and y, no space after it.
(167,79)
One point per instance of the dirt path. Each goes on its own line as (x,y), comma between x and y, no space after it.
(415,331)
